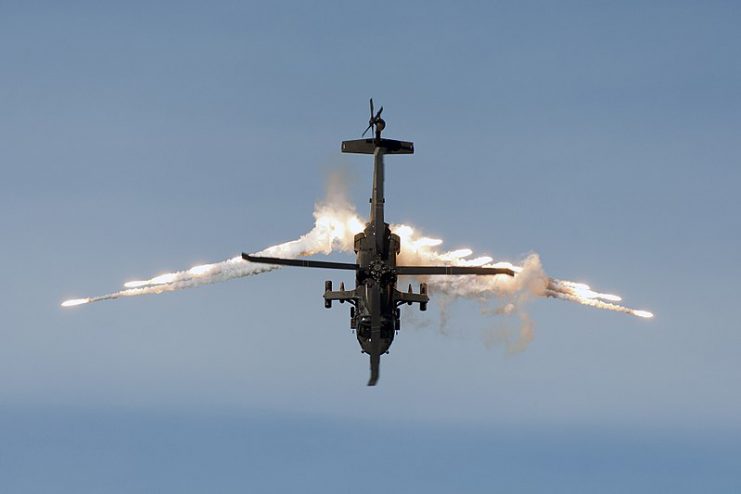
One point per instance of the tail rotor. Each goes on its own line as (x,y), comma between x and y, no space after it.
(376,122)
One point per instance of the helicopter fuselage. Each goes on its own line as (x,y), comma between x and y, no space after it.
(375,300)
(376,317)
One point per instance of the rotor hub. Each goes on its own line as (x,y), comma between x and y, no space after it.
(378,270)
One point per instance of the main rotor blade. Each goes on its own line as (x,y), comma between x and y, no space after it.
(452,270)
(303,263)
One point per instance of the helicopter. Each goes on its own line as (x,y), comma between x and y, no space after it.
(375,301)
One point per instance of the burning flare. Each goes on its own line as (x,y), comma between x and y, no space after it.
(335,226)
(76,301)
(334,229)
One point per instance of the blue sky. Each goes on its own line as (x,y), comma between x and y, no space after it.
(137,139)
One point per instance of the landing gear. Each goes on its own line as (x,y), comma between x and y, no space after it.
(423,291)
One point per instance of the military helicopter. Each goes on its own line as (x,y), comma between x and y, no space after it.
(375,301)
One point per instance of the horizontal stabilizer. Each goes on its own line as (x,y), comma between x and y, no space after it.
(303,263)
(368,146)
(452,270)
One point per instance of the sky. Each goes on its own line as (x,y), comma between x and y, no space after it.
(142,138)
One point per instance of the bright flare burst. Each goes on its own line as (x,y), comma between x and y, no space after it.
(334,229)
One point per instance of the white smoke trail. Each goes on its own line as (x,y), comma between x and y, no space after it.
(334,228)
(336,224)
(530,279)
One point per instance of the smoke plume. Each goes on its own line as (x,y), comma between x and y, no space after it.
(335,224)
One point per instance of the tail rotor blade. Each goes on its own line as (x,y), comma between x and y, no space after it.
(373,119)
